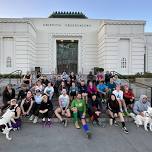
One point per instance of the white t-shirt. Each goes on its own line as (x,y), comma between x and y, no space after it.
(118,94)
(64,100)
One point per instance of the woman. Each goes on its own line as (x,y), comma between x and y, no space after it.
(49,90)
(27,104)
(46,109)
(63,109)
(91,89)
(27,79)
(113,110)
(17,124)
(8,94)
(78,108)
(73,91)
(94,109)
(129,97)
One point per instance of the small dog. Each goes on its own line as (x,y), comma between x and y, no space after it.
(147,119)
(5,121)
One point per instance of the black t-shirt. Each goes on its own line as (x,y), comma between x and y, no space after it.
(46,105)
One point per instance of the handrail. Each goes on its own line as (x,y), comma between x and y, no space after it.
(144,85)
(115,72)
(19,72)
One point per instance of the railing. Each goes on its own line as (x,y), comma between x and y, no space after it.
(9,76)
(148,87)
(138,84)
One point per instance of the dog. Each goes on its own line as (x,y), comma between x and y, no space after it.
(5,121)
(146,120)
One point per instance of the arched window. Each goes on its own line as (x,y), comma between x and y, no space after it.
(8,62)
(123,63)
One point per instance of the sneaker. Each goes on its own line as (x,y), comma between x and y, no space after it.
(65,124)
(125,130)
(126,114)
(116,124)
(63,121)
(31,118)
(35,120)
(77,125)
(43,119)
(88,134)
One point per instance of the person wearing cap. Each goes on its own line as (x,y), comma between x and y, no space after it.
(141,105)
(63,109)
(36,106)
(17,124)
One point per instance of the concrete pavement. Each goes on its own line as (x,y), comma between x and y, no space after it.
(34,138)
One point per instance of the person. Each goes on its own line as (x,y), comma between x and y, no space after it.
(72,77)
(82,88)
(119,95)
(39,86)
(90,77)
(117,81)
(64,76)
(46,109)
(113,110)
(27,104)
(36,106)
(63,108)
(100,76)
(73,91)
(8,94)
(22,93)
(57,84)
(17,124)
(62,85)
(111,85)
(91,89)
(78,108)
(45,81)
(102,90)
(49,90)
(94,109)
(129,97)
(27,79)
(141,105)
(107,77)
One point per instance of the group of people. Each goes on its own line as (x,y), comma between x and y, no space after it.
(76,98)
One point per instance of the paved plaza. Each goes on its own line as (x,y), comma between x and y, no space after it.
(34,138)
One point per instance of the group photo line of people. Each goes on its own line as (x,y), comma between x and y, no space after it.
(68,96)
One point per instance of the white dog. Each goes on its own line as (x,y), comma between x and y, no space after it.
(5,120)
(147,119)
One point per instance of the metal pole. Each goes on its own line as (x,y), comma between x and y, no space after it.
(151,96)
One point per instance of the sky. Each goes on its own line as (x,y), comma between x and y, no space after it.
(93,9)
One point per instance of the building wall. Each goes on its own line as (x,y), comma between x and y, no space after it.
(101,43)
(122,39)
(148,51)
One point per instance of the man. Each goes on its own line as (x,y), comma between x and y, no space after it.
(141,105)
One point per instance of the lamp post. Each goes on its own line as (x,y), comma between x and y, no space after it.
(144,58)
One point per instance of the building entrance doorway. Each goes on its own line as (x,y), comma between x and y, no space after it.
(67,55)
